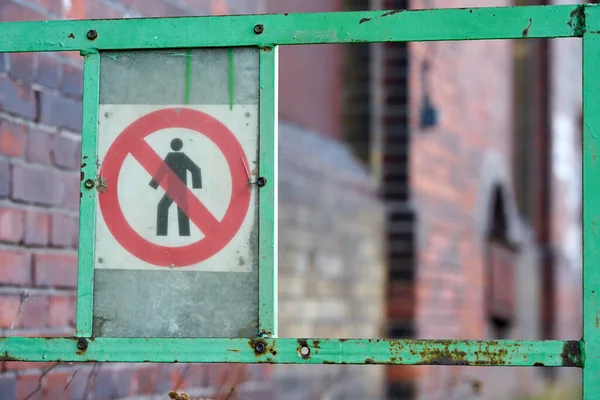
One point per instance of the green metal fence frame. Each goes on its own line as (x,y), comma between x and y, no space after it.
(267,32)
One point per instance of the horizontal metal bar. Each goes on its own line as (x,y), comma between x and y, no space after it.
(551,353)
(290,29)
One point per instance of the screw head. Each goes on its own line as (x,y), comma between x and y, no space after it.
(92,34)
(259,28)
(82,344)
(261,181)
(260,347)
(89,184)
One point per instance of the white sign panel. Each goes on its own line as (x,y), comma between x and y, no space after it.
(176,187)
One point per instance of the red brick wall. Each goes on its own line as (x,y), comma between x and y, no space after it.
(309,76)
(470,86)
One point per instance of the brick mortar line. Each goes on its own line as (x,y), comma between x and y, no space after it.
(37,87)
(32,248)
(29,123)
(44,250)
(32,291)
(7,203)
(21,162)
(70,134)
(56,91)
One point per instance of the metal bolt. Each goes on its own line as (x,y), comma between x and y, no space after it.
(259,28)
(92,35)
(259,347)
(89,184)
(304,352)
(82,344)
(261,181)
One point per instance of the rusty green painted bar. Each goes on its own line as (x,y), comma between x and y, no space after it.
(87,207)
(291,29)
(591,209)
(551,353)
(267,246)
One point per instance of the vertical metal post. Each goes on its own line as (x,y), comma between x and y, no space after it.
(267,263)
(591,215)
(87,206)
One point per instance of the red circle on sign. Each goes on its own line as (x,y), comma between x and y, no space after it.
(132,141)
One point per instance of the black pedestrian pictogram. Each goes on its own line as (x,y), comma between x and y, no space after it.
(180,163)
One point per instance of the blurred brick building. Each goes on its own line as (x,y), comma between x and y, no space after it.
(411,175)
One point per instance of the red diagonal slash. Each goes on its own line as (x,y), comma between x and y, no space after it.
(176,189)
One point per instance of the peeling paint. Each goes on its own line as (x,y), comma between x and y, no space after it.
(571,355)
(385,14)
(577,21)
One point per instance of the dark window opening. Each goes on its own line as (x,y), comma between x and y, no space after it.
(501,263)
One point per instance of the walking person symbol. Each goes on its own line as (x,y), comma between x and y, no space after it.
(180,163)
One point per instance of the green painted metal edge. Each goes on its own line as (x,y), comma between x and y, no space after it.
(268,154)
(87,206)
(591,210)
(290,29)
(553,353)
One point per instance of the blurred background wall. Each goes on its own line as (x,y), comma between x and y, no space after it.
(427,190)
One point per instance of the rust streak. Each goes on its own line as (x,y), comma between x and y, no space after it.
(526,30)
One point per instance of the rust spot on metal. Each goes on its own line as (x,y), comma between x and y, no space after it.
(385,14)
(261,347)
(303,349)
(577,21)
(369,361)
(538,364)
(233,350)
(391,13)
(440,352)
(82,176)
(526,30)
(316,344)
(71,36)
(82,345)
(265,333)
(571,354)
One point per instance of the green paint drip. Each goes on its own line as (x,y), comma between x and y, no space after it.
(188,75)
(230,57)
